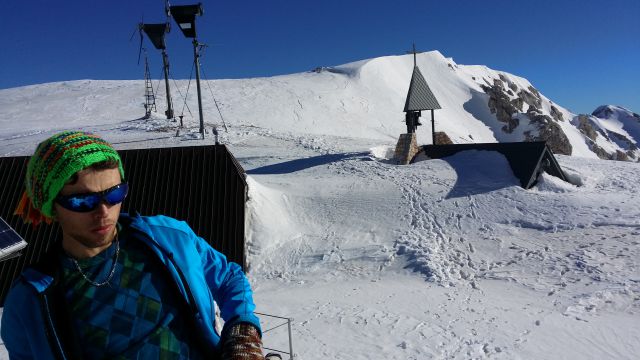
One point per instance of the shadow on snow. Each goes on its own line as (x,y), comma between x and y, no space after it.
(479,172)
(306,163)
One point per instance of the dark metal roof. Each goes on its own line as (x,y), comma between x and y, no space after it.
(202,185)
(420,96)
(527,159)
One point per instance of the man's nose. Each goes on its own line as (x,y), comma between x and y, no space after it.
(102,209)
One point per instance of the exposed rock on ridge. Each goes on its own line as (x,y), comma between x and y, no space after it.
(507,108)
(585,125)
(501,105)
(549,131)
(589,125)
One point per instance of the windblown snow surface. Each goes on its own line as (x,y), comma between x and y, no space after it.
(442,259)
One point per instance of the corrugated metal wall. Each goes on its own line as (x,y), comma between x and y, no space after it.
(202,185)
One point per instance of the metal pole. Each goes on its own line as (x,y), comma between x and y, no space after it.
(290,340)
(197,60)
(433,128)
(165,60)
(414,55)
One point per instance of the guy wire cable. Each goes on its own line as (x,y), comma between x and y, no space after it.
(180,92)
(159,79)
(193,64)
(214,98)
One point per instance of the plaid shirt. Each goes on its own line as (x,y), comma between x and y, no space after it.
(136,315)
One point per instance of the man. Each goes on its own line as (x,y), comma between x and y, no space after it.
(118,286)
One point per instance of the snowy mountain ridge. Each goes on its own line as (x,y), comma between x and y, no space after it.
(442,259)
(362,99)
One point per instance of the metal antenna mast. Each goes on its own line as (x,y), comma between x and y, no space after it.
(156,33)
(196,56)
(185,17)
(165,62)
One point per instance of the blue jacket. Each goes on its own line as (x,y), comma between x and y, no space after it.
(35,324)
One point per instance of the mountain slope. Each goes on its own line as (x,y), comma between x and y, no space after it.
(446,258)
(362,99)
(612,132)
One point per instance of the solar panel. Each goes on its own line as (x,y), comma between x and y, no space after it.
(10,242)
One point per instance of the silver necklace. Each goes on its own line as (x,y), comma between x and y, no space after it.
(113,268)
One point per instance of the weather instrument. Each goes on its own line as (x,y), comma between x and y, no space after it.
(185,17)
(156,34)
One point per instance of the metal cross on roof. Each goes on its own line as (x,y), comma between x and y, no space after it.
(414,52)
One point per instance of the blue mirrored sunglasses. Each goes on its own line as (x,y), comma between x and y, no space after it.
(90,201)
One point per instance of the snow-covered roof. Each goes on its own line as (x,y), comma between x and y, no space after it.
(526,159)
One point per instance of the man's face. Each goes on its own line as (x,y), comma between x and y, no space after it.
(87,234)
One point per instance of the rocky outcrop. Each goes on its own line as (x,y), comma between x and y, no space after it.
(535,92)
(501,105)
(549,131)
(600,152)
(621,156)
(603,112)
(621,139)
(608,111)
(506,108)
(518,103)
(631,155)
(626,144)
(588,126)
(530,98)
(512,86)
(620,114)
(556,114)
(618,155)
(515,107)
(585,126)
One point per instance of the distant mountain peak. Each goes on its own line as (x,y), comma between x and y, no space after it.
(363,98)
(610,111)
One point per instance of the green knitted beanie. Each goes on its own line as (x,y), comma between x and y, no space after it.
(57,159)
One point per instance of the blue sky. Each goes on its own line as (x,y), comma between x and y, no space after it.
(580,54)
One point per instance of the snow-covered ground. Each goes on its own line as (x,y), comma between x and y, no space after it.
(442,259)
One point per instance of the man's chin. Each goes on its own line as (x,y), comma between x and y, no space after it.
(94,240)
(90,244)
